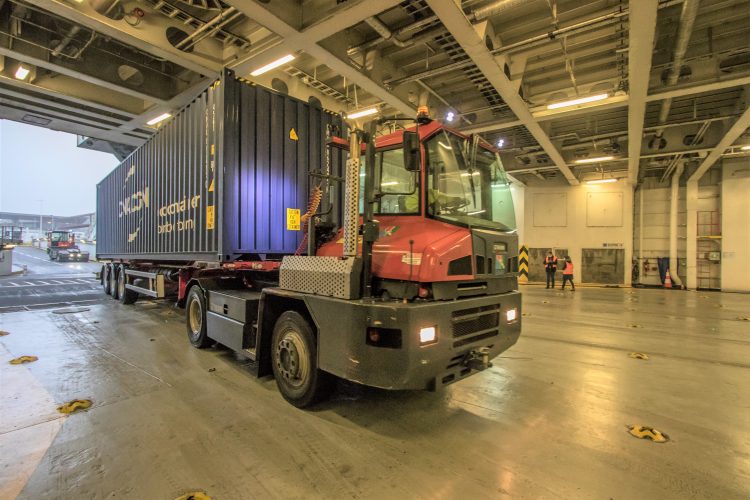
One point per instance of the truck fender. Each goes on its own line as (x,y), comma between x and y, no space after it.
(272,306)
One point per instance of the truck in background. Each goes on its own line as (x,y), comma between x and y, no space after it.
(62,247)
(400,273)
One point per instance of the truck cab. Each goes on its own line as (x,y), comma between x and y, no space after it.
(61,247)
(446,230)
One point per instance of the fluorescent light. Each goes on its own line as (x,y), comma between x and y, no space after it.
(22,73)
(595,160)
(449,116)
(444,145)
(575,102)
(360,114)
(467,174)
(160,118)
(477,212)
(391,183)
(745,148)
(601,181)
(275,64)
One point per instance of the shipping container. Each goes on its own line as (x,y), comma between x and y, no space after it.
(216,181)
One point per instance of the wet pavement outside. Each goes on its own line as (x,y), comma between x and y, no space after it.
(47,283)
(551,419)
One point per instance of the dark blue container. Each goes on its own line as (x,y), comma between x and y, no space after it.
(214,183)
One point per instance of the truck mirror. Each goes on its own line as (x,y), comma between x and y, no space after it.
(411,151)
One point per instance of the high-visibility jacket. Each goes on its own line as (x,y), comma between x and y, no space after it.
(550,263)
(568,268)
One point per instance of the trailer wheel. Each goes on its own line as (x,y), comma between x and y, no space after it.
(106,283)
(113,289)
(295,361)
(195,318)
(126,295)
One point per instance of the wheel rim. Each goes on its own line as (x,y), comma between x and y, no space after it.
(292,359)
(195,317)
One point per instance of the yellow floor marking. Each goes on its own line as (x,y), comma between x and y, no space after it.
(23,359)
(28,425)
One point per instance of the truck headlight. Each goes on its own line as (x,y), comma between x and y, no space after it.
(511,315)
(427,335)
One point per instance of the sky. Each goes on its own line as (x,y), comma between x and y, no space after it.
(41,164)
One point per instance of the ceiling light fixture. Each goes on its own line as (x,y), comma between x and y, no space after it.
(272,65)
(595,160)
(159,119)
(575,102)
(360,114)
(22,73)
(500,143)
(745,148)
(449,116)
(601,181)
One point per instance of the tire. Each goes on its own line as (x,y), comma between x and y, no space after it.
(113,282)
(106,282)
(126,295)
(51,255)
(195,318)
(294,359)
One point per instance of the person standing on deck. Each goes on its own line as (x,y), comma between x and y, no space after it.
(568,274)
(550,265)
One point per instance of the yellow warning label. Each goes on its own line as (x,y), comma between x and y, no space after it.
(210,217)
(292,218)
(213,149)
(293,135)
(211,186)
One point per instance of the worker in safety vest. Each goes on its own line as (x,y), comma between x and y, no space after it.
(568,274)
(550,265)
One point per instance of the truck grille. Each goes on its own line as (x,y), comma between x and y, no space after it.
(475,324)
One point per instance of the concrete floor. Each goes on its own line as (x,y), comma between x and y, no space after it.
(548,421)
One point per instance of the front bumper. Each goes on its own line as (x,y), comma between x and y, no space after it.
(469,332)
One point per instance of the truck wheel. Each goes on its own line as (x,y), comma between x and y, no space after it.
(195,318)
(126,295)
(113,282)
(295,361)
(106,283)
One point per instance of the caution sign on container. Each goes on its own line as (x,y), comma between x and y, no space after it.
(292,219)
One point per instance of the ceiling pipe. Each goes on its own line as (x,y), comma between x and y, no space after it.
(582,27)
(384,32)
(210,23)
(494,8)
(65,41)
(386,35)
(214,30)
(687,19)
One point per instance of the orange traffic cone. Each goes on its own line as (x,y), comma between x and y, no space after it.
(667,280)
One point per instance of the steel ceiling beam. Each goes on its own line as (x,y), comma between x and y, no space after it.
(144,40)
(642,29)
(62,70)
(174,104)
(734,132)
(56,96)
(307,40)
(454,19)
(293,40)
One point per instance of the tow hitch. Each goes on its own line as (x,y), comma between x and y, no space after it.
(478,359)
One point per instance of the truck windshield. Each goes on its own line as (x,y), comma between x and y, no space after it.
(399,188)
(59,236)
(465,190)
